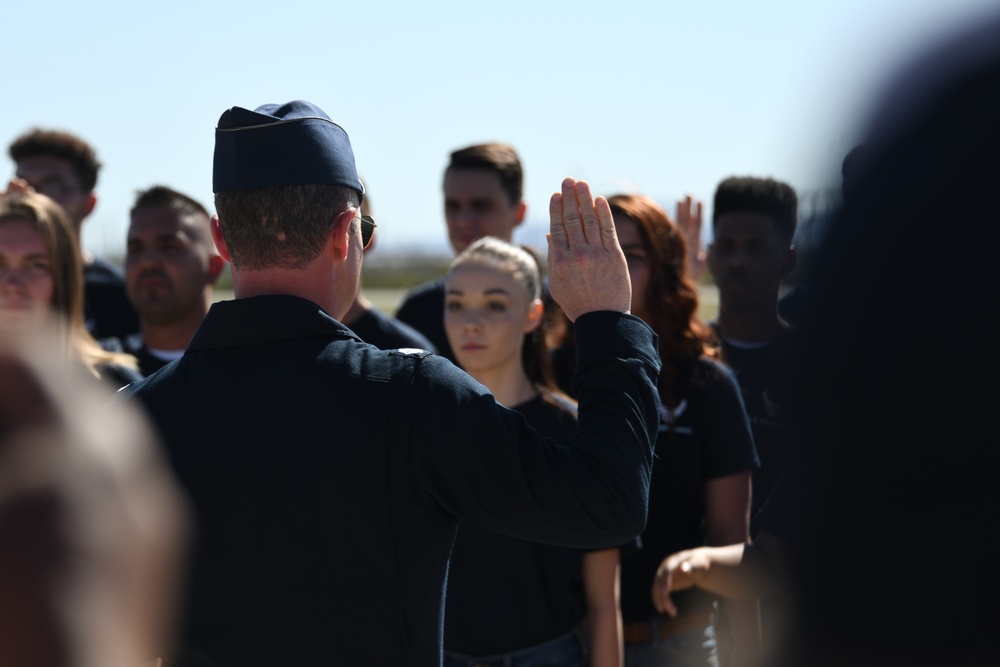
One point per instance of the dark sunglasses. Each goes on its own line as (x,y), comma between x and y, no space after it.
(367,230)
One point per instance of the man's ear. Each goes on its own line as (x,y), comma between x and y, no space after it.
(340,233)
(215,266)
(519,212)
(91,203)
(536,311)
(220,240)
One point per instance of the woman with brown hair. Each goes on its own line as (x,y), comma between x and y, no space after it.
(700,491)
(41,285)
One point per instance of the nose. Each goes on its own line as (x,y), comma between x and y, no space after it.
(11,279)
(471,321)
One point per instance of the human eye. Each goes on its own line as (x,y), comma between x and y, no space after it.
(453,306)
(496,306)
(39,265)
(483,206)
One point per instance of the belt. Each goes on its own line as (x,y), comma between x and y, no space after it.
(560,647)
(657,628)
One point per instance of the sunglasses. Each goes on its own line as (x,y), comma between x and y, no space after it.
(367,230)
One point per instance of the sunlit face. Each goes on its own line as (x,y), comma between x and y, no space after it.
(487,313)
(631,240)
(748,258)
(55,178)
(476,205)
(167,264)
(26,282)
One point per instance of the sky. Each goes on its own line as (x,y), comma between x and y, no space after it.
(659,97)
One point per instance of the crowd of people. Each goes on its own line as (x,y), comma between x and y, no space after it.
(539,462)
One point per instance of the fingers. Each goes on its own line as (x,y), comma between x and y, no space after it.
(576,218)
(661,593)
(557,227)
(609,237)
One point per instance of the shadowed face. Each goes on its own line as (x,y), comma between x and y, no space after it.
(26,281)
(55,178)
(169,263)
(631,240)
(476,205)
(748,259)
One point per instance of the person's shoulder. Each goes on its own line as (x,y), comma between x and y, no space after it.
(102,271)
(386,332)
(432,289)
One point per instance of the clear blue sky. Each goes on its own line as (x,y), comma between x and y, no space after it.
(657,97)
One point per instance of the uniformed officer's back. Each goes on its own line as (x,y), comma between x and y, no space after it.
(328,477)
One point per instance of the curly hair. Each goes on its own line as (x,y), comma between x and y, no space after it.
(61,145)
(671,298)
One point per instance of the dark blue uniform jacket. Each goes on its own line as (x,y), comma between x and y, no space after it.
(328,478)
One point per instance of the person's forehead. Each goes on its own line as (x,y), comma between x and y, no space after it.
(473,184)
(627,230)
(744,224)
(41,168)
(163,221)
(478,277)
(21,234)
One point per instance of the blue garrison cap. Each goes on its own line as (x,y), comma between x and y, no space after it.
(289,144)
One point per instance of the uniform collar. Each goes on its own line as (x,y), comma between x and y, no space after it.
(264,319)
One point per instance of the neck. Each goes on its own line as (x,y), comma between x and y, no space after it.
(316,282)
(509,386)
(751,326)
(359,307)
(176,334)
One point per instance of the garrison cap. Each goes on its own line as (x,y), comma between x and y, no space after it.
(294,143)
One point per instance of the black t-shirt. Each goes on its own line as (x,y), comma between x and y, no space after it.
(107,311)
(423,309)
(764,374)
(388,333)
(504,593)
(705,436)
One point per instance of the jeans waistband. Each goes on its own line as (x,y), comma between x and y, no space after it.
(569,644)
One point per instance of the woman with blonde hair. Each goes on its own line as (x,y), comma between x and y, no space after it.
(41,286)
(510,601)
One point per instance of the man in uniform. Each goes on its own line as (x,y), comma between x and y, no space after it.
(483,186)
(171,265)
(64,167)
(328,477)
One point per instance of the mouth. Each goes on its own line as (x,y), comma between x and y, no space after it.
(473,347)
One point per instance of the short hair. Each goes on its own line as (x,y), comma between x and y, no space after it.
(282,226)
(498,158)
(61,145)
(160,196)
(765,196)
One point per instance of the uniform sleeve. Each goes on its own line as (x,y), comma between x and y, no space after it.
(729,448)
(487,466)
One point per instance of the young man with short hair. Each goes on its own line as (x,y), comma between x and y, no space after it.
(753,222)
(482,197)
(171,266)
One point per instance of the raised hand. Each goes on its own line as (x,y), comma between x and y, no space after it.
(587,269)
(689,220)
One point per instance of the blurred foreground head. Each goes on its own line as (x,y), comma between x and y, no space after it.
(91,526)
(898,564)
